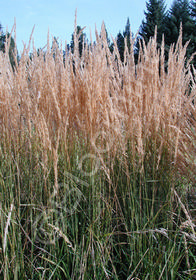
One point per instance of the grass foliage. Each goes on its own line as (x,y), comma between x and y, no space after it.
(97,163)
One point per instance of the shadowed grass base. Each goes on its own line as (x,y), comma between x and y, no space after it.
(93,227)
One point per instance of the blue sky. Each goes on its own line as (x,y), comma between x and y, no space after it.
(58,17)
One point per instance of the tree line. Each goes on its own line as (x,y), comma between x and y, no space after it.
(3,38)
(167,21)
(182,13)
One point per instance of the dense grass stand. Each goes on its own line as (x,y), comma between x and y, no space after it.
(97,163)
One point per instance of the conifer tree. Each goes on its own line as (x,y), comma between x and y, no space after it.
(81,41)
(3,37)
(121,40)
(127,33)
(193,17)
(154,17)
(121,45)
(180,13)
(193,9)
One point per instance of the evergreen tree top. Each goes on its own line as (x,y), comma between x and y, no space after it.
(193,9)
(154,16)
(127,28)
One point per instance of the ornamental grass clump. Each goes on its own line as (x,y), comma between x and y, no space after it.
(96,159)
(54,95)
